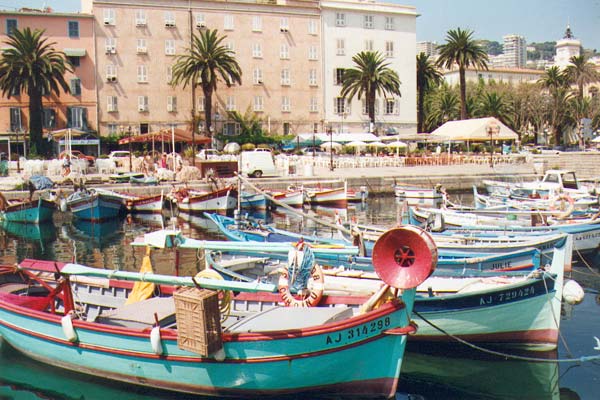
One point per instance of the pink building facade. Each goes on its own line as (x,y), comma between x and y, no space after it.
(278,47)
(72,34)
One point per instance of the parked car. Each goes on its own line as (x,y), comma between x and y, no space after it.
(309,150)
(78,155)
(118,154)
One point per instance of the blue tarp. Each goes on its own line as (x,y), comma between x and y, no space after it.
(40,182)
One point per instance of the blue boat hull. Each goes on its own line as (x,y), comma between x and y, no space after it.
(34,211)
(96,207)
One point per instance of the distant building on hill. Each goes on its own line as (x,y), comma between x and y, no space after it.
(515,51)
(566,48)
(512,76)
(429,48)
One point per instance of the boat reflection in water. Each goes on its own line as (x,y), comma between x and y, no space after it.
(42,235)
(450,372)
(101,234)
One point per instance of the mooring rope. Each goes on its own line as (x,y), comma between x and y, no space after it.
(586,263)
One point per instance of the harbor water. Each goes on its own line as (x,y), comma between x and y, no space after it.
(428,372)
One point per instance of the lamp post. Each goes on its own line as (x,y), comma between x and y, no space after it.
(129,135)
(314,133)
(331,168)
(18,155)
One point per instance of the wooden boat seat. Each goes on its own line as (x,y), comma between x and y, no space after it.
(242,263)
(140,315)
(290,318)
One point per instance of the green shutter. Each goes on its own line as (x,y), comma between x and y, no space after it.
(69,117)
(84,120)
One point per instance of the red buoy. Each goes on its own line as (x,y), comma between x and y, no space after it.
(404,257)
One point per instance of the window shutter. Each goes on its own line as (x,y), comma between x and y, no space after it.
(69,117)
(84,120)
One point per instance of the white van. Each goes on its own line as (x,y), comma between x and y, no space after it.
(257,163)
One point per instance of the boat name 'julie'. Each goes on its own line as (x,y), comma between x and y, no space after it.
(361,331)
(507,296)
(502,265)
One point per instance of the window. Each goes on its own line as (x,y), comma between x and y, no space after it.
(368,45)
(313,105)
(75,61)
(312,77)
(258,103)
(284,51)
(109,16)
(229,46)
(285,104)
(143,103)
(201,104)
(172,103)
(111,104)
(257,23)
(170,47)
(11,25)
(169,73)
(142,74)
(340,19)
(390,106)
(340,105)
(285,77)
(365,109)
(77,118)
(257,50)
(368,22)
(75,87)
(140,17)
(110,45)
(257,76)
(112,129)
(228,23)
(200,21)
(312,27)
(15,119)
(48,118)
(73,28)
(230,104)
(312,53)
(389,49)
(338,76)
(169,19)
(389,23)
(141,46)
(286,128)
(341,47)
(111,72)
(284,24)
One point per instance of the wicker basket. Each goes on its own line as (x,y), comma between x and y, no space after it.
(198,320)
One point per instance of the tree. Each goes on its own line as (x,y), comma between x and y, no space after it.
(555,81)
(370,78)
(31,65)
(207,62)
(581,72)
(462,50)
(492,104)
(427,77)
(443,106)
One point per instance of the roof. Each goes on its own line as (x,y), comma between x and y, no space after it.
(340,137)
(477,129)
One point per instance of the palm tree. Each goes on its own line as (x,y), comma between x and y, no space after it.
(462,50)
(31,65)
(443,106)
(492,104)
(556,82)
(370,78)
(581,72)
(427,77)
(207,62)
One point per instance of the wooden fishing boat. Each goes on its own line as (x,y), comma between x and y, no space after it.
(254,201)
(331,197)
(358,195)
(557,205)
(31,211)
(151,204)
(125,177)
(144,180)
(197,202)
(221,351)
(94,205)
(415,196)
(290,197)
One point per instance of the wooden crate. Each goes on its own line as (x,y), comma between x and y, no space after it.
(198,320)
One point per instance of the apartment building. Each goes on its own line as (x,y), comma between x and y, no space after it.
(276,43)
(74,35)
(514,51)
(351,26)
(429,48)
(511,76)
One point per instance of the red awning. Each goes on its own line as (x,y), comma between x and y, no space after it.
(180,135)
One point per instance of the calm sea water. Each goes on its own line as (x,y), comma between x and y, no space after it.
(428,372)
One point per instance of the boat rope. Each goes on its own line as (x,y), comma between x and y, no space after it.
(292,209)
(586,263)
(557,323)
(581,359)
(299,272)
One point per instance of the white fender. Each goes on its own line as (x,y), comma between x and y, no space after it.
(220,354)
(67,327)
(156,341)
(63,204)
(572,292)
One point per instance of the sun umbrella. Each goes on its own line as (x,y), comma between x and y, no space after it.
(231,148)
(334,145)
(395,144)
(357,143)
(377,144)
(596,140)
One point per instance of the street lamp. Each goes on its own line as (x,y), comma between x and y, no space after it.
(330,133)
(130,162)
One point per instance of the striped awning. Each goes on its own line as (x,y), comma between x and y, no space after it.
(74,52)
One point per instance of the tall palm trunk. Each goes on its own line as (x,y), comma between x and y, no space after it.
(35,120)
(420,104)
(371,105)
(463,93)
(208,109)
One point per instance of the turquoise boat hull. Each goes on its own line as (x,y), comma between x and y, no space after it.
(359,355)
(34,211)
(95,206)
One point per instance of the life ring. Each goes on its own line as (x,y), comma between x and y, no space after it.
(557,203)
(314,295)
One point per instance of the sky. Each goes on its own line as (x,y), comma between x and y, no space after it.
(536,20)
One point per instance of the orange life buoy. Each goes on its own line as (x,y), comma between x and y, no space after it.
(557,203)
(309,300)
